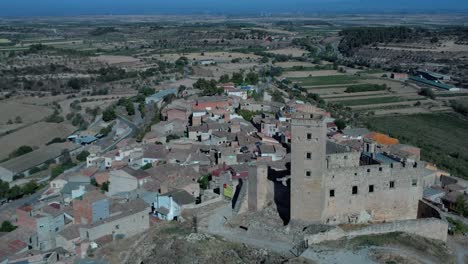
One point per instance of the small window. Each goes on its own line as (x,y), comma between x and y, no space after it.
(414,183)
(308,173)
(117,227)
(332,193)
(371,188)
(345,157)
(368,170)
(309,136)
(380,168)
(392,184)
(355,174)
(309,155)
(355,190)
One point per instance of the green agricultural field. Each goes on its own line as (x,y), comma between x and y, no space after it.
(326,80)
(441,137)
(4,41)
(366,87)
(451,94)
(310,68)
(370,101)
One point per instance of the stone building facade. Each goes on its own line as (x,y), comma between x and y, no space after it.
(332,187)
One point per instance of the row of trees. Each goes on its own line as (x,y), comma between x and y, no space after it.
(16,191)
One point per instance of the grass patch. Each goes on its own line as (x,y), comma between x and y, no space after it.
(441,137)
(426,246)
(326,80)
(371,101)
(371,71)
(365,88)
(310,68)
(451,94)
(457,226)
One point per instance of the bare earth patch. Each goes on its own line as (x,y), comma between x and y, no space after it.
(36,135)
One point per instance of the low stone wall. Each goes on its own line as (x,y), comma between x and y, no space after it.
(430,228)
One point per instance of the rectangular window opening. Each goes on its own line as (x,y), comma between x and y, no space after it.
(392,184)
(332,193)
(371,188)
(355,190)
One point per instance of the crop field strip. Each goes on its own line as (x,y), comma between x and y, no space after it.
(326,80)
(442,137)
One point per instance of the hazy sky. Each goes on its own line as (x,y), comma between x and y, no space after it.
(96,7)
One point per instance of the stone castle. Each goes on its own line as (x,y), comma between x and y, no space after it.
(331,185)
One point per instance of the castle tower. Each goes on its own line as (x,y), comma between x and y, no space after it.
(308,163)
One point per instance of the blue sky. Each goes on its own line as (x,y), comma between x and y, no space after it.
(99,7)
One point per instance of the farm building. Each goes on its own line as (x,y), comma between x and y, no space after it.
(206,62)
(433,76)
(159,96)
(434,84)
(400,76)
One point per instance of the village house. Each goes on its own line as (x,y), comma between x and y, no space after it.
(90,208)
(170,205)
(46,221)
(125,219)
(126,179)
(210,103)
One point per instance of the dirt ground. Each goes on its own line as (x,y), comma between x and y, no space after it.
(289,64)
(295,52)
(111,59)
(175,243)
(216,56)
(36,135)
(28,113)
(299,74)
(447,46)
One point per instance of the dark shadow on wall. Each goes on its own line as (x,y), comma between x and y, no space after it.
(282,193)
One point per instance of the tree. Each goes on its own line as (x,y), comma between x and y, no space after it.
(208,88)
(204,181)
(238,78)
(277,96)
(7,226)
(56,171)
(18,120)
(224,78)
(108,114)
(181,89)
(130,107)
(74,83)
(264,59)
(147,166)
(93,182)
(427,92)
(105,186)
(82,155)
(14,192)
(171,137)
(340,124)
(4,188)
(30,187)
(251,78)
(460,205)
(21,151)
